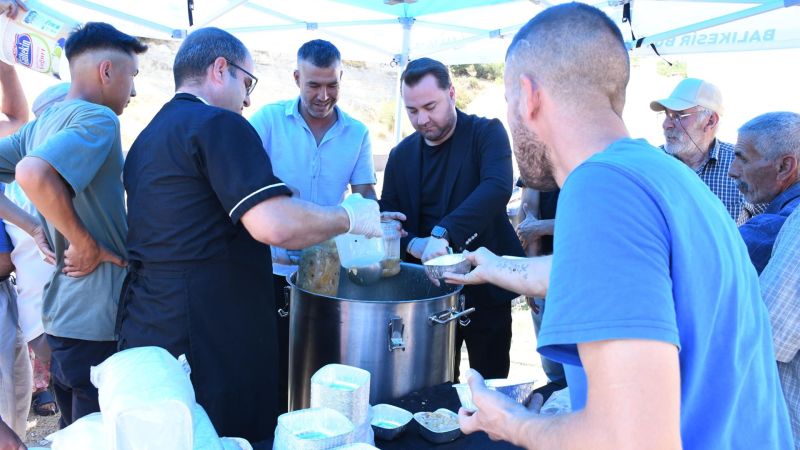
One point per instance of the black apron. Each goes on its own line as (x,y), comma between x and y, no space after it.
(221,314)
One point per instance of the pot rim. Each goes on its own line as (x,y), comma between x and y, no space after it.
(291,283)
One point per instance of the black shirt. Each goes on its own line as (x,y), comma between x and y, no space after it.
(434,169)
(190,176)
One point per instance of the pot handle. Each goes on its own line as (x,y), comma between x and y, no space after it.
(450,315)
(287,293)
(396,328)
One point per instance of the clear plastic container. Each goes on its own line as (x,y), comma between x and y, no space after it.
(35,39)
(390,264)
(319,269)
(356,250)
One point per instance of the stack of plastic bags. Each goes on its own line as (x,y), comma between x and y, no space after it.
(146,402)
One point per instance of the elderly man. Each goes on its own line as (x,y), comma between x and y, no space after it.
(780,286)
(452,178)
(657,355)
(68,162)
(767,170)
(202,204)
(317,150)
(691,117)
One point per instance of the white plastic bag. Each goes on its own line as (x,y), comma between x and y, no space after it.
(147,400)
(86,433)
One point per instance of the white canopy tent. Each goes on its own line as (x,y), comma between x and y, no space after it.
(453,31)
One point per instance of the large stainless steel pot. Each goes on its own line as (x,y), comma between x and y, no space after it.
(401,330)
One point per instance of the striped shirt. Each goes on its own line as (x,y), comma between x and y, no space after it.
(780,287)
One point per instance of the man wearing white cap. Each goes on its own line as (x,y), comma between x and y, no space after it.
(691,120)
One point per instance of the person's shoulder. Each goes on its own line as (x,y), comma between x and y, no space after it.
(411,141)
(83,110)
(275,109)
(634,159)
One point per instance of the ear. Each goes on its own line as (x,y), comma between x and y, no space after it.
(713,120)
(297,77)
(452,93)
(787,168)
(341,74)
(530,100)
(105,68)
(218,69)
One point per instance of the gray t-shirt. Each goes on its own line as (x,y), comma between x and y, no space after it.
(81,140)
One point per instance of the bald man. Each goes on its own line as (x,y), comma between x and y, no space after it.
(653,306)
(69,164)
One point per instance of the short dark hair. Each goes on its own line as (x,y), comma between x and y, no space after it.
(418,68)
(576,51)
(101,36)
(201,48)
(319,52)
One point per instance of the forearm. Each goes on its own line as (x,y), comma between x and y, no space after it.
(525,276)
(14,105)
(566,431)
(49,194)
(11,213)
(293,223)
(366,191)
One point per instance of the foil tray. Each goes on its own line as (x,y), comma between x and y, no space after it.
(343,388)
(518,391)
(312,429)
(389,422)
(439,426)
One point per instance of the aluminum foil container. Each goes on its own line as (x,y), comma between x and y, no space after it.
(455,263)
(389,422)
(439,426)
(312,429)
(344,389)
(520,392)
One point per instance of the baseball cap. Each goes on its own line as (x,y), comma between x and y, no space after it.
(49,97)
(689,93)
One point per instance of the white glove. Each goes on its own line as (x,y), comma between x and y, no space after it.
(364,214)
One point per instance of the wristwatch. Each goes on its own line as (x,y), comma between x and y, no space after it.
(440,232)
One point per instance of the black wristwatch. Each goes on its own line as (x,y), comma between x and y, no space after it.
(440,232)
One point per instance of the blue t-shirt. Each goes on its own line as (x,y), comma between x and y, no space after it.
(644,250)
(5,242)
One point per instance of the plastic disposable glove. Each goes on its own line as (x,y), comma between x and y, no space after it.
(364,214)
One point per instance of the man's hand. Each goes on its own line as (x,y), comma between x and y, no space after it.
(81,261)
(531,230)
(417,247)
(398,216)
(364,215)
(496,413)
(9,440)
(11,8)
(40,238)
(435,247)
(484,263)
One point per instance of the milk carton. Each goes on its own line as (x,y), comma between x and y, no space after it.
(35,39)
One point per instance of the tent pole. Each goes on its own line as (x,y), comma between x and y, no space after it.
(402,62)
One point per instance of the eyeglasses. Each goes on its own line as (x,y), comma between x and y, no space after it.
(253,80)
(675,116)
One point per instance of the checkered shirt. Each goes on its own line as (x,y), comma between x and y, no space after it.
(714,173)
(780,287)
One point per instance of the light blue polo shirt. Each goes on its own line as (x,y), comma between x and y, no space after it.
(321,173)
